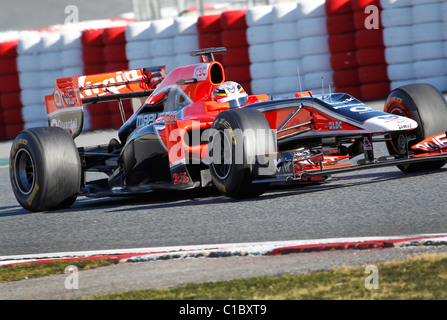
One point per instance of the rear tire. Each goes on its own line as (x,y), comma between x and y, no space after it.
(238,138)
(45,169)
(428,107)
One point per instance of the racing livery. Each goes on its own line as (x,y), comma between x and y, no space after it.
(196,129)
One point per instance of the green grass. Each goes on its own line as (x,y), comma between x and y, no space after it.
(33,270)
(421,278)
(418,278)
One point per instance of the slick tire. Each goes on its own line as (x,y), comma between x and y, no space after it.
(427,106)
(45,169)
(237,140)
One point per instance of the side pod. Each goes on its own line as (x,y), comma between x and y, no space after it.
(176,153)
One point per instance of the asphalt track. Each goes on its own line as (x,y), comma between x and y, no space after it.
(376,203)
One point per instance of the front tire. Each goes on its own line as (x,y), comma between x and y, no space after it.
(45,169)
(428,107)
(241,143)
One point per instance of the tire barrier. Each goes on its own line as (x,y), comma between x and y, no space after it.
(209,32)
(233,36)
(115,59)
(93,62)
(103,50)
(370,52)
(185,40)
(414,38)
(274,49)
(342,45)
(316,73)
(260,51)
(38,66)
(11,121)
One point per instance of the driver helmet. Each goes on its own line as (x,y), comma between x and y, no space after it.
(231,92)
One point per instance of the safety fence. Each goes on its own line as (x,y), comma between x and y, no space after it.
(362,47)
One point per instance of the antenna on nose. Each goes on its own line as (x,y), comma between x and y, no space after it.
(299,77)
(330,92)
(322,88)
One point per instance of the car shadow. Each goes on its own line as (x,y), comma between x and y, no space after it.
(8,211)
(211,196)
(347,181)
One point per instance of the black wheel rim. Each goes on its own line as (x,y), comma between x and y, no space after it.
(24,171)
(398,141)
(397,110)
(221,154)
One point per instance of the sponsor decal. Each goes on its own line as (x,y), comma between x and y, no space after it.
(201,72)
(33,194)
(219,185)
(336,125)
(432,143)
(404,126)
(394,99)
(16,146)
(170,119)
(118,77)
(71,125)
(390,117)
(66,99)
(367,146)
(346,105)
(362,109)
(147,118)
(179,178)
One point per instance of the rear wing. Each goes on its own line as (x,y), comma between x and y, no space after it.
(65,105)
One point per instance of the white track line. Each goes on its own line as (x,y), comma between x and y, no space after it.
(221,250)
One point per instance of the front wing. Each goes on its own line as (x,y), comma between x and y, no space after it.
(294,166)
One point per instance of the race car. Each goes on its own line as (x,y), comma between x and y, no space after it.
(195,129)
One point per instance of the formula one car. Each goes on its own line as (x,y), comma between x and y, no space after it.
(195,129)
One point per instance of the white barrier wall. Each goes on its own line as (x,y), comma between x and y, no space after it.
(414,36)
(288,40)
(38,65)
(163,42)
(316,71)
(326,42)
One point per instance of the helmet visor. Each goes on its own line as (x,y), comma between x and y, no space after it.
(238,102)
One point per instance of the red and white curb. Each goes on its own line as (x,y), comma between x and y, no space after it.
(234,249)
